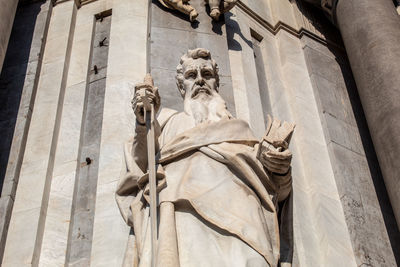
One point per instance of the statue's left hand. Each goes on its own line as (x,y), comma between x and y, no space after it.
(274,159)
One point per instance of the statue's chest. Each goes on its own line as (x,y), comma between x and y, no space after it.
(194,175)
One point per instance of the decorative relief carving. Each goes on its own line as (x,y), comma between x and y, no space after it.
(217,7)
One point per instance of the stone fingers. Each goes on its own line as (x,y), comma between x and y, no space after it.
(277,168)
(278,162)
(139,112)
(286,154)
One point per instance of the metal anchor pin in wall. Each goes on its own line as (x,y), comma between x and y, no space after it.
(101,43)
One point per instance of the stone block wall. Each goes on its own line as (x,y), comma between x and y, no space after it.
(360,184)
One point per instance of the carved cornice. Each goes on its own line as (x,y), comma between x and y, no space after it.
(78,3)
(280,25)
(274,29)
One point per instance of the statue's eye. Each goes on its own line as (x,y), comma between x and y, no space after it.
(191,75)
(207,74)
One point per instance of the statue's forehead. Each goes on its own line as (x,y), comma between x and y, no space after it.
(191,63)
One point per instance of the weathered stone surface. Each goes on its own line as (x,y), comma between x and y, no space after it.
(262,79)
(6,204)
(81,232)
(356,171)
(126,67)
(7,14)
(20,71)
(18,81)
(245,84)
(37,165)
(371,37)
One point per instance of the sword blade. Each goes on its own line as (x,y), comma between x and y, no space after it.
(152,183)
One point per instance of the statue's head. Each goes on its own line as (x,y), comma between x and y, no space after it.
(197,74)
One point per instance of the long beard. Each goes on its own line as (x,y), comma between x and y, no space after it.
(207,108)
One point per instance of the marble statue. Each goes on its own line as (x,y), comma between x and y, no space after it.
(216,7)
(218,186)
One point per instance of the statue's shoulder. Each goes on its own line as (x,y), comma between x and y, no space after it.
(165,115)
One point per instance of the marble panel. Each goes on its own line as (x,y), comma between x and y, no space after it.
(108,249)
(344,134)
(33,189)
(7,14)
(57,222)
(17,84)
(324,66)
(314,190)
(78,66)
(335,100)
(6,203)
(18,252)
(126,67)
(243,71)
(83,207)
(364,217)
(356,171)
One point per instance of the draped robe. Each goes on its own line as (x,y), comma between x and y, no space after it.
(217,201)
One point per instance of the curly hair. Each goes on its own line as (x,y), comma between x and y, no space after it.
(195,54)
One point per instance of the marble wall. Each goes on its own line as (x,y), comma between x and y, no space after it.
(18,84)
(274,57)
(358,177)
(7,14)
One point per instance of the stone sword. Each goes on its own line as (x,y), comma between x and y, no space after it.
(148,107)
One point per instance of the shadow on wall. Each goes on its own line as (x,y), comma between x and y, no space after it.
(373,164)
(216,25)
(12,76)
(194,24)
(232,28)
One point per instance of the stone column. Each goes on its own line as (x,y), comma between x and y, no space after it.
(7,13)
(371,34)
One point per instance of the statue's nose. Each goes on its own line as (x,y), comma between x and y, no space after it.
(200,80)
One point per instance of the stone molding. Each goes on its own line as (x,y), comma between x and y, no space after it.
(280,25)
(327,5)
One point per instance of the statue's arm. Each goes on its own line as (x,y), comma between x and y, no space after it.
(139,145)
(277,165)
(275,155)
(146,94)
(284,184)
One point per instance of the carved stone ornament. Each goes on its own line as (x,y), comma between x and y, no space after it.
(218,187)
(217,7)
(328,6)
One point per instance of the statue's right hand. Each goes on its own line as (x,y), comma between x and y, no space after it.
(145,93)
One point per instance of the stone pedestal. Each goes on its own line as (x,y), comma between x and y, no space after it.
(370,31)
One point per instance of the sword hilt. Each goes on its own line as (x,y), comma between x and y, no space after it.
(144,88)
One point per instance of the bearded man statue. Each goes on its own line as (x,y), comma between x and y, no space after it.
(218,186)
